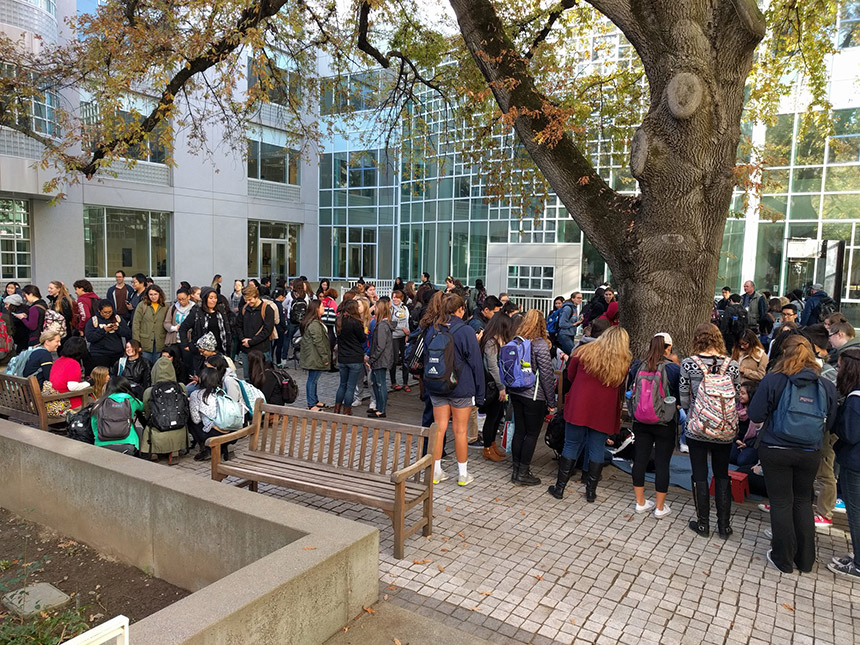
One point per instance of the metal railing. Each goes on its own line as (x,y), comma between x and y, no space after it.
(383,287)
(112,632)
(541,303)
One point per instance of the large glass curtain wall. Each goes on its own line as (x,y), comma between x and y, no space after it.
(131,240)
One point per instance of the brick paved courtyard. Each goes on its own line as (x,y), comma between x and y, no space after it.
(514,565)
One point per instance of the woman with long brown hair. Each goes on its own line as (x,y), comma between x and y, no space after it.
(532,403)
(350,353)
(148,323)
(496,334)
(592,409)
(797,406)
(704,439)
(750,356)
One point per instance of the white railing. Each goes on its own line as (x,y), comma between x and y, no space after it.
(112,632)
(383,287)
(541,303)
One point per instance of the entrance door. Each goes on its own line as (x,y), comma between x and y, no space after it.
(273,260)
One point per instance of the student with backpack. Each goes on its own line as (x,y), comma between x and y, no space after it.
(261,375)
(592,407)
(709,387)
(653,399)
(734,322)
(34,319)
(847,449)
(295,306)
(165,405)
(498,332)
(315,356)
(526,370)
(212,413)
(114,415)
(569,322)
(797,406)
(454,379)
(39,359)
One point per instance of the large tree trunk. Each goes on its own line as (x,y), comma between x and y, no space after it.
(662,247)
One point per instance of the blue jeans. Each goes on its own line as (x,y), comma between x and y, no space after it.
(578,437)
(566,343)
(349,375)
(311,387)
(380,388)
(850,481)
(151,357)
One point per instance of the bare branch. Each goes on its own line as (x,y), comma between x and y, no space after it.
(554,15)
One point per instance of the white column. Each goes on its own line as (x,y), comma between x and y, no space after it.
(751,216)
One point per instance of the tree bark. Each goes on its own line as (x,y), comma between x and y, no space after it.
(663,246)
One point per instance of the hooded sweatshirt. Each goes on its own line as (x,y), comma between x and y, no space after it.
(86,308)
(766,401)
(611,313)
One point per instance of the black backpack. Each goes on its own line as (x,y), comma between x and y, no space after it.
(415,356)
(554,436)
(440,368)
(289,389)
(168,406)
(826,307)
(113,419)
(297,311)
(80,427)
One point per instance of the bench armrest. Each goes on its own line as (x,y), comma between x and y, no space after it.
(67,395)
(405,473)
(211,442)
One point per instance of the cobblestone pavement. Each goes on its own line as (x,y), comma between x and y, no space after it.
(514,565)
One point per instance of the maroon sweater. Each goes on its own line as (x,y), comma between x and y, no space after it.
(589,403)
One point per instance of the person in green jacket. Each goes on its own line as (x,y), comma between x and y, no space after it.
(113,414)
(147,327)
(315,352)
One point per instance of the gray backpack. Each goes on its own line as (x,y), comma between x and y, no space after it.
(113,420)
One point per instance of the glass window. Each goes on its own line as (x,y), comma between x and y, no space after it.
(845,206)
(849,25)
(386,252)
(325,251)
(805,206)
(272,162)
(325,172)
(807,180)
(593,266)
(845,144)
(15,262)
(134,241)
(769,254)
(531,278)
(809,143)
(777,146)
(843,178)
(460,250)
(731,254)
(159,226)
(477,251)
(253,248)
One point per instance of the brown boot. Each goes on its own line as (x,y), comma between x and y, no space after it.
(347,410)
(495,448)
(492,455)
(337,407)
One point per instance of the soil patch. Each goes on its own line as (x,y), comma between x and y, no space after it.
(31,553)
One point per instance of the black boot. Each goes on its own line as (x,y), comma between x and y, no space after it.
(515,472)
(594,470)
(723,502)
(584,477)
(565,467)
(203,454)
(702,500)
(525,477)
(225,454)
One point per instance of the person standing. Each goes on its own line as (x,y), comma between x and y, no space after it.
(569,322)
(381,358)
(138,286)
(257,321)
(754,303)
(148,324)
(119,294)
(796,406)
(592,409)
(400,316)
(315,356)
(350,343)
(295,306)
(87,303)
(654,432)
(499,331)
(812,308)
(34,319)
(847,431)
(750,357)
(60,301)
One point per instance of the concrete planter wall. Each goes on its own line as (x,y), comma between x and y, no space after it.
(263,570)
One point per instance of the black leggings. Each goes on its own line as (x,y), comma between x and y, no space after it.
(662,439)
(699,459)
(528,421)
(399,350)
(495,411)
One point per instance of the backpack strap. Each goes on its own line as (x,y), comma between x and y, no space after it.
(725,366)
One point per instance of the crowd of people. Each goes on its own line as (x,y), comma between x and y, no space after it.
(773,398)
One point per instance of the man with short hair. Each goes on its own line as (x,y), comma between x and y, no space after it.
(724,302)
(257,321)
(481,318)
(754,303)
(569,322)
(138,286)
(734,322)
(789,314)
(119,294)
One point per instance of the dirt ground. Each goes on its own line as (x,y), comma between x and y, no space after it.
(31,553)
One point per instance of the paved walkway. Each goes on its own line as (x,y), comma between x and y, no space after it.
(514,565)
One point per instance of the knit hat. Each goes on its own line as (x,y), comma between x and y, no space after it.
(15,300)
(207,343)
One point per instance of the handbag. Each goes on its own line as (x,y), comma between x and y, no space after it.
(55,408)
(491,390)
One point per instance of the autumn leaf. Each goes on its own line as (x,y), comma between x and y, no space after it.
(787,606)
(444,549)
(539,577)
(396,641)
(447,508)
(440,567)
(583,181)
(422,561)
(392,587)
(385,597)
(461,535)
(309,548)
(486,593)
(369,610)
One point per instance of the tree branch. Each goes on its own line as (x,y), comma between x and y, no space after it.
(554,15)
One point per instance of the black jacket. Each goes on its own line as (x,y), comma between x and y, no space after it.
(848,430)
(257,325)
(104,343)
(350,341)
(138,372)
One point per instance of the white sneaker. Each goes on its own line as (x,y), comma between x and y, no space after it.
(464,481)
(440,477)
(685,448)
(768,534)
(647,506)
(764,507)
(658,513)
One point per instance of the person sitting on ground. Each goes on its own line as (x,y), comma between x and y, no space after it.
(164,395)
(227,375)
(99,379)
(744,452)
(174,353)
(134,367)
(750,356)
(262,376)
(114,415)
(66,371)
(41,359)
(203,407)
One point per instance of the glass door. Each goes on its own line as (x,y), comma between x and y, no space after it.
(273,260)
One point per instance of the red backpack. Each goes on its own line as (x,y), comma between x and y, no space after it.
(6,342)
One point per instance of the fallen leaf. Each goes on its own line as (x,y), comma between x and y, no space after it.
(369,610)
(599,539)
(447,508)
(444,539)
(630,519)
(539,543)
(309,548)
(539,577)
(787,606)
(497,499)
(486,593)
(396,641)
(468,498)
(475,608)
(461,535)
(444,549)
(392,588)
(385,597)
(522,512)
(440,567)
(572,622)
(346,629)
(422,561)
(707,573)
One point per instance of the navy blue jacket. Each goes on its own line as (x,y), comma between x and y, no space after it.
(811,309)
(766,401)
(470,362)
(848,431)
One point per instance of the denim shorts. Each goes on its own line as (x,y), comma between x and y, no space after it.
(456,402)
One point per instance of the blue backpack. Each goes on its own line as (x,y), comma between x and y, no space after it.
(515,364)
(440,369)
(552,321)
(801,414)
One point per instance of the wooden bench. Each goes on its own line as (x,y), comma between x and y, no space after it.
(21,399)
(373,462)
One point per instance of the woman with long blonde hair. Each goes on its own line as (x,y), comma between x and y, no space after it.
(592,409)
(790,448)
(533,403)
(61,302)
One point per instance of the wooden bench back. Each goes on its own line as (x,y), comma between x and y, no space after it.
(21,400)
(364,445)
